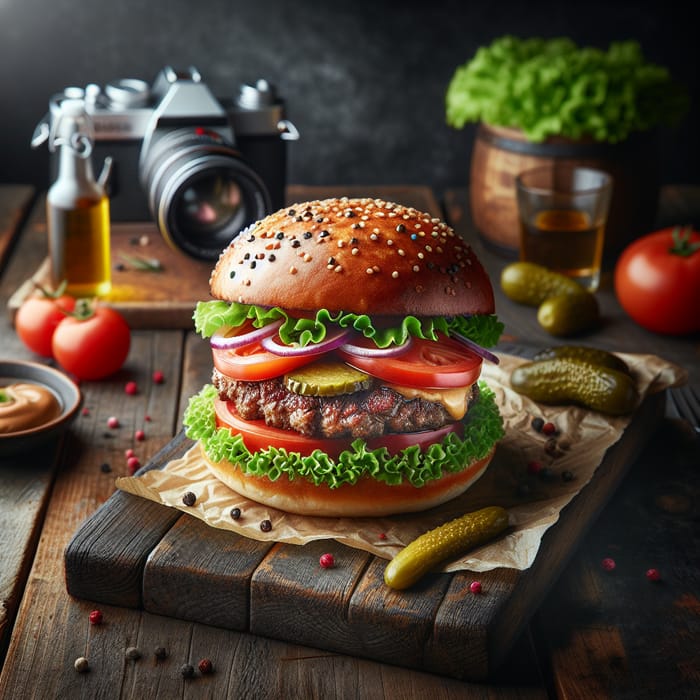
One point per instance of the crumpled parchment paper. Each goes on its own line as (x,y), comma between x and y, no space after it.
(533,503)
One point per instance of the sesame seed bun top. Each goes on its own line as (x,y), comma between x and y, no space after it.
(354,255)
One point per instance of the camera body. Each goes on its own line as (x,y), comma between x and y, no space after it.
(185,158)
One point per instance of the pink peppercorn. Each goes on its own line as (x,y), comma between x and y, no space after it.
(86,411)
(653,574)
(475,587)
(96,617)
(131,388)
(549,428)
(140,435)
(158,377)
(205,666)
(129,453)
(133,464)
(534,467)
(382,535)
(608,564)
(113,422)
(327,561)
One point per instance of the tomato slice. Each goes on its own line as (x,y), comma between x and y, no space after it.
(439,364)
(257,435)
(253,363)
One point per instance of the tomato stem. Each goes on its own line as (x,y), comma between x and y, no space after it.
(84,309)
(681,242)
(48,294)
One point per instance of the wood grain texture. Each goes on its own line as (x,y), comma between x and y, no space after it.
(15,201)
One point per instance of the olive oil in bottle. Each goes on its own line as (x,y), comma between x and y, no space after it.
(78,209)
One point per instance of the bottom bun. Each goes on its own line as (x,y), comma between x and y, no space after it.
(367,497)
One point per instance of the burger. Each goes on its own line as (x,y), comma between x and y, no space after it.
(347,340)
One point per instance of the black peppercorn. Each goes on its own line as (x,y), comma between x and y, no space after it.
(161,653)
(187,670)
(235,513)
(266,525)
(189,499)
(400,228)
(537,424)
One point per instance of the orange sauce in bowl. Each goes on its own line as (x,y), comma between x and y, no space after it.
(24,406)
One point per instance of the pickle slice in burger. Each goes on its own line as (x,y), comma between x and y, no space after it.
(386,291)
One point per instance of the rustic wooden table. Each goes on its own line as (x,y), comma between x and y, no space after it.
(594,635)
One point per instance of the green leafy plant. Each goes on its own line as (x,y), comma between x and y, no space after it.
(548,87)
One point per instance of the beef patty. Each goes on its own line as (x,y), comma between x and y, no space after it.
(363,414)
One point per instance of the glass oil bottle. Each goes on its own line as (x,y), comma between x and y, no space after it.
(77,208)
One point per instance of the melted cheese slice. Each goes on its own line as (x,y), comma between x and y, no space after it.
(454,400)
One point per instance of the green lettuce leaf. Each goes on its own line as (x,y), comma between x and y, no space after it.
(209,316)
(483,427)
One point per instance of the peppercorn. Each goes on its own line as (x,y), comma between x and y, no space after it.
(327,561)
(158,377)
(189,498)
(113,422)
(95,617)
(534,466)
(105,467)
(187,670)
(161,653)
(537,424)
(131,388)
(653,574)
(266,525)
(475,587)
(81,664)
(567,475)
(546,474)
(205,666)
(133,464)
(549,429)
(235,513)
(140,435)
(608,564)
(132,653)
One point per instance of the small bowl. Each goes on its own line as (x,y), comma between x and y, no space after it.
(65,390)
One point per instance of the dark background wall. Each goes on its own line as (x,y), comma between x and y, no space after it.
(364,81)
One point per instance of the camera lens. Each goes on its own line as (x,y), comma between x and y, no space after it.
(201,192)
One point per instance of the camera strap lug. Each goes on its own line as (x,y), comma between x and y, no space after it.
(288,132)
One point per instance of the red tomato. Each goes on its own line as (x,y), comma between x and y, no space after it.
(37,318)
(657,281)
(426,363)
(257,435)
(92,347)
(253,363)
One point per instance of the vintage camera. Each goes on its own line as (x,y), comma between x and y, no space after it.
(203,168)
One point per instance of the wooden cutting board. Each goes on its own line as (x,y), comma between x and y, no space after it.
(136,553)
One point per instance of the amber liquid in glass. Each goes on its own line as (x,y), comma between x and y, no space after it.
(79,241)
(564,240)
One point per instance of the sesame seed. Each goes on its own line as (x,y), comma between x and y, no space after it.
(292,270)
(307,258)
(401,251)
(395,274)
(338,268)
(421,255)
(355,251)
(369,271)
(390,242)
(341,244)
(375,268)
(373,236)
(416,268)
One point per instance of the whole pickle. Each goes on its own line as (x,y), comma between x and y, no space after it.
(565,380)
(528,283)
(595,356)
(568,314)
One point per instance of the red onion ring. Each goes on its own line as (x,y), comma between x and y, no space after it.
(221,341)
(330,342)
(475,348)
(391,351)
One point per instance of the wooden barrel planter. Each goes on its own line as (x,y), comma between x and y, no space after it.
(500,153)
